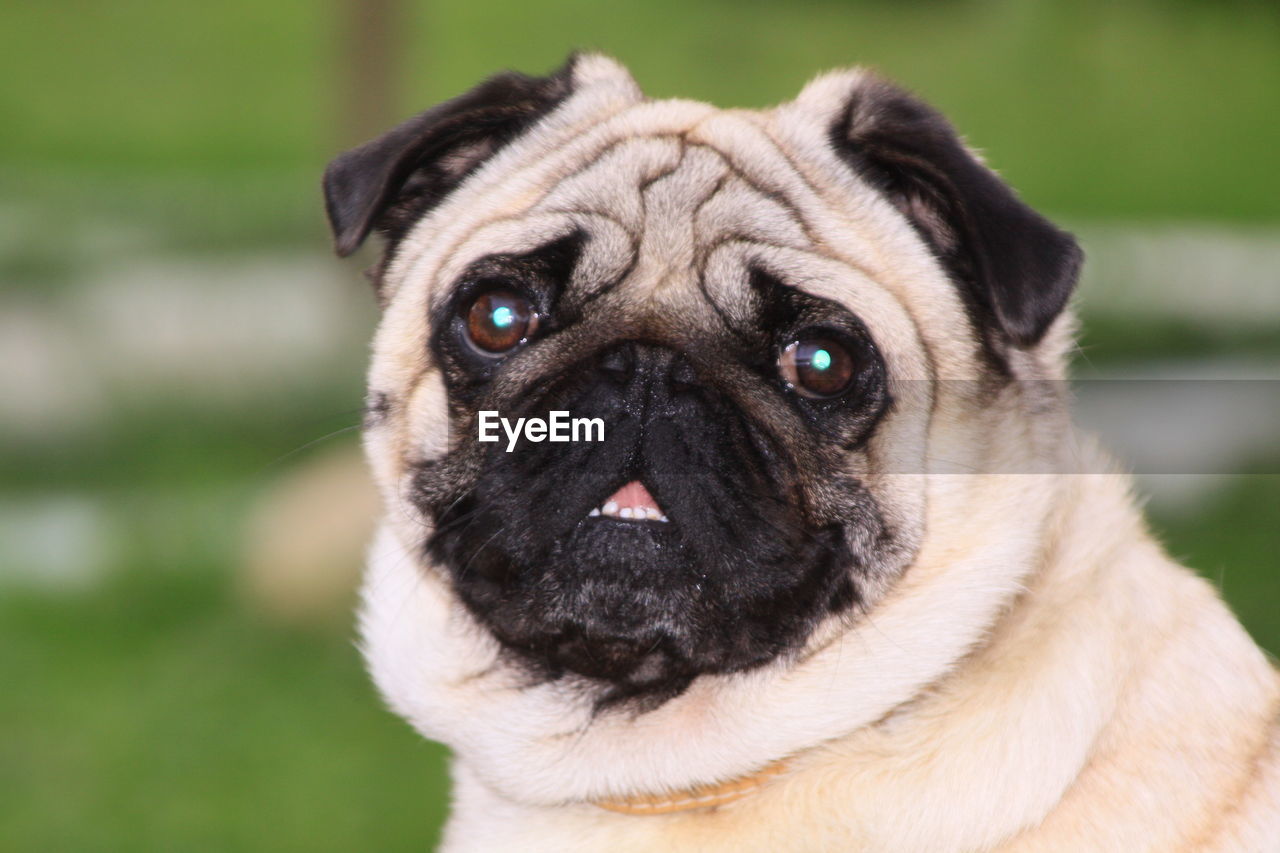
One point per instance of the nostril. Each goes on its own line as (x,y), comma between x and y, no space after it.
(668,368)
(618,362)
(683,376)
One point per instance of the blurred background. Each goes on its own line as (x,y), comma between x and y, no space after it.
(181,355)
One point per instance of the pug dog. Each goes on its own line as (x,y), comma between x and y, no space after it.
(836,573)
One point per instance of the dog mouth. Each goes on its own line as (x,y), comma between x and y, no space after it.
(673,574)
(632,502)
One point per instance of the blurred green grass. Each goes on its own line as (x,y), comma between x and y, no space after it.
(1151,108)
(152,709)
(156,714)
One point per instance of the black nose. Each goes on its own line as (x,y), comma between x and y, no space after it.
(650,375)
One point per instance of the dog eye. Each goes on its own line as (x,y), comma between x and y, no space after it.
(499,320)
(816,366)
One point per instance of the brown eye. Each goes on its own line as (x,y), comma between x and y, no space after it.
(817,366)
(500,320)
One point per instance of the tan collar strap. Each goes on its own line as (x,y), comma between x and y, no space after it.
(699,797)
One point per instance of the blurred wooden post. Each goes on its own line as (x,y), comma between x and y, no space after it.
(371,37)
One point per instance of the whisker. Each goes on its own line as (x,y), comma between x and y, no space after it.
(462,573)
(312,443)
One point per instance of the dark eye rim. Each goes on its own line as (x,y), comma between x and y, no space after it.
(466,300)
(854,346)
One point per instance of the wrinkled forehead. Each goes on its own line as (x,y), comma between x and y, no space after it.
(704,190)
(658,208)
(662,215)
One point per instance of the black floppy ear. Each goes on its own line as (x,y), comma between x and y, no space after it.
(1015,269)
(391,182)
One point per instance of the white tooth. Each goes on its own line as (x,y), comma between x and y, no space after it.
(625,512)
(652,514)
(610,508)
(664,518)
(593,513)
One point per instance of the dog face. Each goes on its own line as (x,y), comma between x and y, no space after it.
(762,311)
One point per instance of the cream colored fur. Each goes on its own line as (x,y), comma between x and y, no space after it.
(1040,676)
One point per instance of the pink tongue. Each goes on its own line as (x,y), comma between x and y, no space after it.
(634,495)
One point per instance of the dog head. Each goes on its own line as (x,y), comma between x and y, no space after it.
(785,321)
